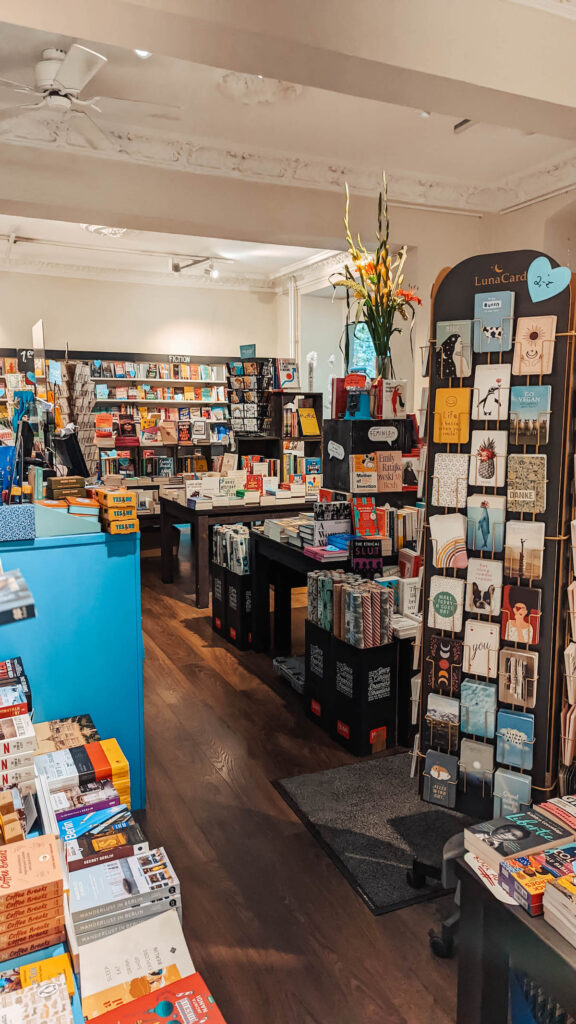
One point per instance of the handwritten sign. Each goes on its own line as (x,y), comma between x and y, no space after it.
(544,281)
(388,434)
(335,450)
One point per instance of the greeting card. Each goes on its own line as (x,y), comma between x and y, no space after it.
(484,586)
(534,344)
(452,416)
(454,348)
(524,549)
(517,676)
(486,516)
(527,483)
(476,766)
(515,731)
(448,536)
(488,458)
(440,778)
(478,708)
(491,392)
(530,414)
(511,791)
(446,603)
(481,642)
(450,480)
(493,313)
(442,668)
(521,614)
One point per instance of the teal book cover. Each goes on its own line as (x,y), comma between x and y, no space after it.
(493,321)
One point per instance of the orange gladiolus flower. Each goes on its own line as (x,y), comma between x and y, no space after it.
(409,296)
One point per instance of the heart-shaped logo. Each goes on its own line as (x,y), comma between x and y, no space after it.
(545,281)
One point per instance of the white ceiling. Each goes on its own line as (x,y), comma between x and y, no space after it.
(317,125)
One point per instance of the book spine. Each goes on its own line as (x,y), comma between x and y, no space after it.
(12,710)
(76,812)
(129,915)
(75,863)
(23,949)
(23,745)
(34,933)
(88,913)
(28,897)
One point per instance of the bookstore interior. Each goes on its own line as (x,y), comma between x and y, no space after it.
(287,539)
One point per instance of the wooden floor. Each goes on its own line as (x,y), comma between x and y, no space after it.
(278,933)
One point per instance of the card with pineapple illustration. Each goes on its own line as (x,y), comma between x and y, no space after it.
(488,458)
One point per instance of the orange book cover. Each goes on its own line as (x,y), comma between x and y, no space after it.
(99,761)
(32,945)
(29,865)
(182,1001)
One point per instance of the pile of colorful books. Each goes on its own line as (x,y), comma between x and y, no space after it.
(31,903)
(356,610)
(90,763)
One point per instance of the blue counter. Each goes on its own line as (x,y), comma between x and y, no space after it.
(83,652)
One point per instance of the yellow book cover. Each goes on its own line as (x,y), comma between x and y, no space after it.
(452,416)
(308,422)
(124,526)
(116,759)
(189,394)
(43,970)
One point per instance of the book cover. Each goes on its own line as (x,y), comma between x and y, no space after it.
(511,791)
(481,642)
(121,883)
(448,538)
(486,516)
(308,422)
(530,409)
(450,480)
(288,374)
(454,348)
(76,801)
(514,835)
(389,467)
(183,1001)
(478,708)
(446,603)
(410,467)
(440,778)
(44,1001)
(517,676)
(521,614)
(62,733)
(524,550)
(12,701)
(363,477)
(443,664)
(113,969)
(534,345)
(364,516)
(491,392)
(484,586)
(30,869)
(527,483)
(43,970)
(476,767)
(452,415)
(515,732)
(493,313)
(488,458)
(394,400)
(17,735)
(366,555)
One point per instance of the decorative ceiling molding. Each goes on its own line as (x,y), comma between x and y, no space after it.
(233,282)
(311,275)
(254,90)
(229,160)
(565,8)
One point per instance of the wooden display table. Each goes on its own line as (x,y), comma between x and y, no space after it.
(172,513)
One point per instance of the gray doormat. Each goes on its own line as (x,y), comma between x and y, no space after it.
(372,823)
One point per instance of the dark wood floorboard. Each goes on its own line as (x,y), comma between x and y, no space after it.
(272,924)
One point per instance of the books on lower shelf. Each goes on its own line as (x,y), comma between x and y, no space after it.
(101,836)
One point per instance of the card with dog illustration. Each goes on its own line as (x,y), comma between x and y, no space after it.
(454,348)
(515,731)
(493,313)
(491,392)
(448,537)
(530,414)
(517,676)
(481,643)
(446,603)
(526,483)
(521,614)
(484,586)
(452,416)
(486,517)
(488,458)
(450,480)
(524,550)
(443,664)
(534,345)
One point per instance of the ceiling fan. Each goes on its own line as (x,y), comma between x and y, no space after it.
(60,77)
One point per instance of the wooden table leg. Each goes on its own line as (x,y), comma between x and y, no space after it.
(202,561)
(166,549)
(282,614)
(482,958)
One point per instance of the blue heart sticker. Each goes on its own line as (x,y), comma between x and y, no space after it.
(544,281)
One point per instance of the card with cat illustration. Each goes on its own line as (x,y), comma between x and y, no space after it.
(493,313)
(491,392)
(484,586)
(534,345)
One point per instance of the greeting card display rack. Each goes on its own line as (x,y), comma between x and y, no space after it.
(453,300)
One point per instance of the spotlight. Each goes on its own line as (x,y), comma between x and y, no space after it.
(425,113)
(143,54)
(214,272)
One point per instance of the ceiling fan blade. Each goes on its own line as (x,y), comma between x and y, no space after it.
(117,105)
(90,131)
(78,68)
(20,86)
(9,113)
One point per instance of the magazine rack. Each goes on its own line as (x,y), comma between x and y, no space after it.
(453,298)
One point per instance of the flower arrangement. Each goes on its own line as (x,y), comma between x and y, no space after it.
(375,283)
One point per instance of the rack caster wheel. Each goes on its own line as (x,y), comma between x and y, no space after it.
(442,946)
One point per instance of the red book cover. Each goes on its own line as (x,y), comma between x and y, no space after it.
(364,517)
(183,1001)
(254,482)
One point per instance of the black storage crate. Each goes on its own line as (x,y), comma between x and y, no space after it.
(239,609)
(319,675)
(359,437)
(365,697)
(219,597)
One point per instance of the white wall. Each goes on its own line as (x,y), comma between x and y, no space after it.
(117,316)
(321,325)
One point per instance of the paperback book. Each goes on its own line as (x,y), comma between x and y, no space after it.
(184,1002)
(63,733)
(118,884)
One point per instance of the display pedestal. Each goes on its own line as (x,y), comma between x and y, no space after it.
(83,652)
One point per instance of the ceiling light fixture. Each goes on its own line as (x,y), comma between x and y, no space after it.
(425,113)
(214,272)
(462,126)
(143,54)
(103,229)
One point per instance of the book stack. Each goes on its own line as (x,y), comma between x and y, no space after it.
(58,487)
(559,905)
(83,799)
(108,898)
(515,835)
(61,733)
(101,836)
(17,740)
(78,506)
(231,547)
(90,763)
(118,511)
(31,903)
(11,672)
(16,601)
(35,972)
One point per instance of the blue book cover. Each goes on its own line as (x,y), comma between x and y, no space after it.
(515,732)
(313,466)
(478,708)
(511,791)
(73,828)
(493,313)
(486,515)
(530,414)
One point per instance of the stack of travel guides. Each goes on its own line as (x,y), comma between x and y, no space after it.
(90,763)
(108,898)
(17,738)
